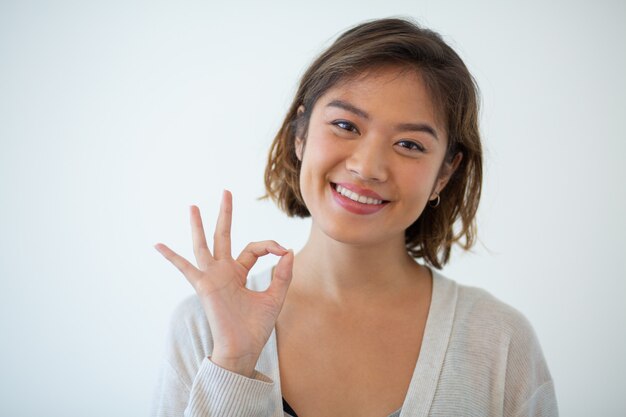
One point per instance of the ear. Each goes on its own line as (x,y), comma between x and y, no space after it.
(447,169)
(299,140)
(299,148)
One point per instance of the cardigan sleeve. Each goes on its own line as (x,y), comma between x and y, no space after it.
(191,385)
(541,403)
(529,388)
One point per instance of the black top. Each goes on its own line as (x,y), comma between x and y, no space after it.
(287,408)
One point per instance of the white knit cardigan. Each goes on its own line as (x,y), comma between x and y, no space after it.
(479,357)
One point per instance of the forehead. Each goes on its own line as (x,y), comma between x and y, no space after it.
(388,92)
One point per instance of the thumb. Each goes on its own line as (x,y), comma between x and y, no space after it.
(282,277)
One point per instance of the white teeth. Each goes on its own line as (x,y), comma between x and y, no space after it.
(356,197)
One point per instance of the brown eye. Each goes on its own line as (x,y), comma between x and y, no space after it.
(344,125)
(412,146)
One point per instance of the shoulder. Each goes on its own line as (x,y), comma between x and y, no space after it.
(480,310)
(474,311)
(493,338)
(189,338)
(189,315)
(479,314)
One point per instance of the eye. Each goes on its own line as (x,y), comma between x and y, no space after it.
(345,125)
(411,146)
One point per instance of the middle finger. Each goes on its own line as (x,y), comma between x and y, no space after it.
(221,239)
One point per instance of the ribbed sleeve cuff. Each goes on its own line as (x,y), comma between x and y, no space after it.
(219,392)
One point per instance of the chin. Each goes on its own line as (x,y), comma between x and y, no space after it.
(356,236)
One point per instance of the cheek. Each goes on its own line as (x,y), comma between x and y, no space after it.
(419,181)
(310,172)
(320,154)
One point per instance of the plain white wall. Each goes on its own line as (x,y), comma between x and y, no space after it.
(115,116)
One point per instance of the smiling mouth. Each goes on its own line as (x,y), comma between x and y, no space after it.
(356,197)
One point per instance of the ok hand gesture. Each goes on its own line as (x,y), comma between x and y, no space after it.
(241,320)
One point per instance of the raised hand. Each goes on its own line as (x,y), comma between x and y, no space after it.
(241,320)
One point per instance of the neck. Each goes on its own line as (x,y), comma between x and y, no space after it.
(342,273)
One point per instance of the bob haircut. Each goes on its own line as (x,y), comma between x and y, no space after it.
(402,43)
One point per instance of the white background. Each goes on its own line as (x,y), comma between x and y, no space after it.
(116,115)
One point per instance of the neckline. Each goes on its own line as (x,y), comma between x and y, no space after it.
(290,411)
(437,331)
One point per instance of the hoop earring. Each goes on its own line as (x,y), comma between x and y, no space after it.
(437,201)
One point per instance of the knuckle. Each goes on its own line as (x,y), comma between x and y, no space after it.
(254,246)
(221,234)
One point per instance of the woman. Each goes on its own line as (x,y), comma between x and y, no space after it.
(381,148)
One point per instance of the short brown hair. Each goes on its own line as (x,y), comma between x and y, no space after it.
(453,90)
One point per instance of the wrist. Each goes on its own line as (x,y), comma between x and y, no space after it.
(239,366)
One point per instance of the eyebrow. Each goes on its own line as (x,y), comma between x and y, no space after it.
(402,127)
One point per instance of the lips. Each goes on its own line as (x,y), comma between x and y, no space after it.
(356,197)
(357,200)
(359,190)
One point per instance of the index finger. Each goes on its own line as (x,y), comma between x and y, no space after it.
(221,238)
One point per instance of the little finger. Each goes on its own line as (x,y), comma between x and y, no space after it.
(183,265)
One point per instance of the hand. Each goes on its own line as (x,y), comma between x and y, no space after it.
(241,320)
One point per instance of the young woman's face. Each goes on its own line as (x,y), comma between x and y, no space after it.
(375,139)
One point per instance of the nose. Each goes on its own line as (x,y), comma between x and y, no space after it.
(368,160)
